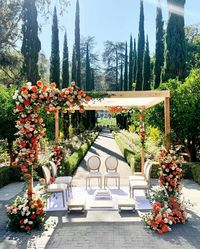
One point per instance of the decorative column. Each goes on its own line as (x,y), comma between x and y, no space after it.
(167,122)
(142,137)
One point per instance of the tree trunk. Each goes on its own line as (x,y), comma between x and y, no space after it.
(192,153)
(10,151)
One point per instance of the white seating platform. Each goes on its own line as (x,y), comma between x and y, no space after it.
(96,199)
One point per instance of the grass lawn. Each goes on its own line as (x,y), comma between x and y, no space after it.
(106,121)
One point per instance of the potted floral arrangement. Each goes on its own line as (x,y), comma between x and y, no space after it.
(167,207)
(25,214)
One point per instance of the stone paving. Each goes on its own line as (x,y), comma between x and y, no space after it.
(102,229)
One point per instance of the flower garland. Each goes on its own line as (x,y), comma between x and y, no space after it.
(117,109)
(25,214)
(29,100)
(57,156)
(167,207)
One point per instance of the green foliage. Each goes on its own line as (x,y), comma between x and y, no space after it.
(134,62)
(113,57)
(77,45)
(8,175)
(155,135)
(185,116)
(7,116)
(30,43)
(159,53)
(70,163)
(192,47)
(175,55)
(140,55)
(131,64)
(88,71)
(65,64)
(146,67)
(3,154)
(191,171)
(55,57)
(126,69)
(132,152)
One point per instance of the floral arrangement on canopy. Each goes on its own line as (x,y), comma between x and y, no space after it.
(167,208)
(29,100)
(117,109)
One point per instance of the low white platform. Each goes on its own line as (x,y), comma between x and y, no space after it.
(141,203)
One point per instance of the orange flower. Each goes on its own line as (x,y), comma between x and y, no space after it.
(34,89)
(39,83)
(20,108)
(70,89)
(24,88)
(87,98)
(53,85)
(156,206)
(44,88)
(165,228)
(158,219)
(36,108)
(26,102)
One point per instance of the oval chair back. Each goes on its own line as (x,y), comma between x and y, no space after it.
(111,163)
(54,169)
(47,174)
(94,163)
(148,171)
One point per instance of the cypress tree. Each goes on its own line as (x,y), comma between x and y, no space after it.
(30,43)
(159,53)
(131,63)
(121,78)
(73,74)
(77,44)
(92,79)
(141,42)
(174,65)
(65,64)
(146,67)
(55,57)
(126,69)
(88,71)
(134,62)
(65,83)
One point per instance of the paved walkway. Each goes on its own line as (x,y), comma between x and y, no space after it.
(87,231)
(103,147)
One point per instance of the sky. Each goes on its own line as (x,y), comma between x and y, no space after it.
(111,20)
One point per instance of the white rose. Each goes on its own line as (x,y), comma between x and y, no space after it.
(30,222)
(25,221)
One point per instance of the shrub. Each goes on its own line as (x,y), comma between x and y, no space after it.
(70,163)
(9,174)
(196,172)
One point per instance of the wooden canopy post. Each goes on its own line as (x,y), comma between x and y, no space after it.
(167,122)
(56,126)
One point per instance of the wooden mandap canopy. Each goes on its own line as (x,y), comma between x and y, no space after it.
(139,99)
(130,99)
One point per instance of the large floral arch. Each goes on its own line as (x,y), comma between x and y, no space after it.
(30,99)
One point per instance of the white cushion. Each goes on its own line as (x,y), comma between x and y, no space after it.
(112,174)
(93,175)
(136,177)
(56,187)
(139,184)
(63,179)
